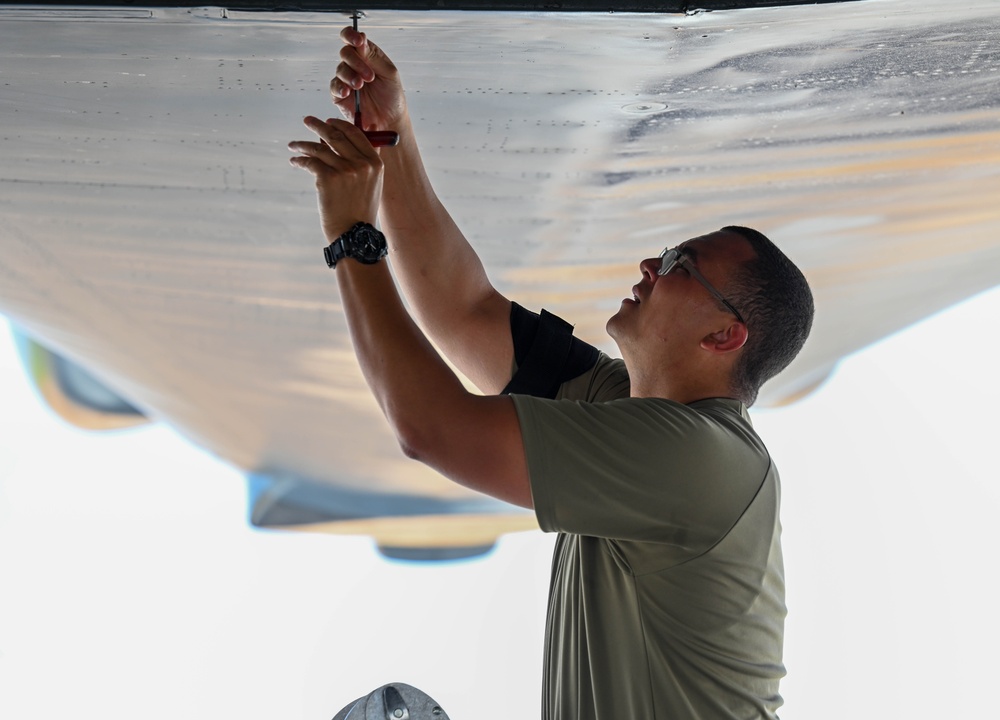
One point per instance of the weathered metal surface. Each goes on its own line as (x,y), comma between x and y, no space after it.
(659,6)
(152,230)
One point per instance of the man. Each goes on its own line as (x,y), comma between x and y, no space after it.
(667,597)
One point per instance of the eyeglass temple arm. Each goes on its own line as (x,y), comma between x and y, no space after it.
(689,266)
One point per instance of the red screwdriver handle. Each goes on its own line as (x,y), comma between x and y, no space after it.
(382,138)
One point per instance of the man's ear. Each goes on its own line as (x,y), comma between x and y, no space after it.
(731,338)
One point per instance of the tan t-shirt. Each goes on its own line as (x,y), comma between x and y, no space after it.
(667,594)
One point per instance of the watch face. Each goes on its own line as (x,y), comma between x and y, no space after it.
(368,244)
(362,242)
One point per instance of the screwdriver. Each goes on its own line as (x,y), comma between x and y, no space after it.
(378,138)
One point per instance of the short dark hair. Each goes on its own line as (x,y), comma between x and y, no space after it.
(773,296)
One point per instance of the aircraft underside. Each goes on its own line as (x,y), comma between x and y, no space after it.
(154,237)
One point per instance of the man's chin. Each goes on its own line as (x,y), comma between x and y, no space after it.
(613,325)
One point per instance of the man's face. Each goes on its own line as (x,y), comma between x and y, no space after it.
(676,310)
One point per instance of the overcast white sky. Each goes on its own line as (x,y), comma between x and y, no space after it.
(131,585)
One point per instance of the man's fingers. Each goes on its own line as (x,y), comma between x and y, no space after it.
(319,150)
(364,67)
(342,146)
(313,165)
(350,36)
(334,150)
(339,90)
(344,139)
(350,77)
(368,51)
(353,68)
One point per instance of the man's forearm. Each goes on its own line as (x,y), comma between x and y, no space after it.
(472,440)
(400,366)
(428,248)
(440,273)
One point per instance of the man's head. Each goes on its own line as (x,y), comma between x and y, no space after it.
(775,299)
(729,313)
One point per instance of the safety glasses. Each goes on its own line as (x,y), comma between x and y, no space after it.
(671,257)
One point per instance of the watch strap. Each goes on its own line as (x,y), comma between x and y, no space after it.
(334,252)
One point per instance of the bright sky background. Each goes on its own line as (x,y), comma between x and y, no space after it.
(132,587)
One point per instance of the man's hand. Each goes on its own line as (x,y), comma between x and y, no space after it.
(348,174)
(363,66)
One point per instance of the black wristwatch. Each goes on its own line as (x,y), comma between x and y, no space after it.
(362,242)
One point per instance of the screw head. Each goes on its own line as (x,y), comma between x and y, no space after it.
(644,108)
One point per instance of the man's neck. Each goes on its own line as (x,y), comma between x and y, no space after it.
(678,384)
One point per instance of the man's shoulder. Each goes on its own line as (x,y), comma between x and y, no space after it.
(606,380)
(546,354)
(716,431)
(730,414)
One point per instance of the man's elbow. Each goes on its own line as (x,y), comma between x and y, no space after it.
(414,441)
(409,448)
(423,432)
(480,451)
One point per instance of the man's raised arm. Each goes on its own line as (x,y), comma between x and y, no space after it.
(439,272)
(473,440)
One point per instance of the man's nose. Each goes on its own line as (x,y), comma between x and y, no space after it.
(650,267)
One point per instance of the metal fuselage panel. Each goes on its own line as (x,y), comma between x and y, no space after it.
(152,229)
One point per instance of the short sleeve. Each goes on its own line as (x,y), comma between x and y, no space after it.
(641,469)
(546,353)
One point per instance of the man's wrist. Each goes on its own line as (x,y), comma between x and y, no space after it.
(403,128)
(362,242)
(333,235)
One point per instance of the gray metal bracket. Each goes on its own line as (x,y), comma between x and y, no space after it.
(396,701)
